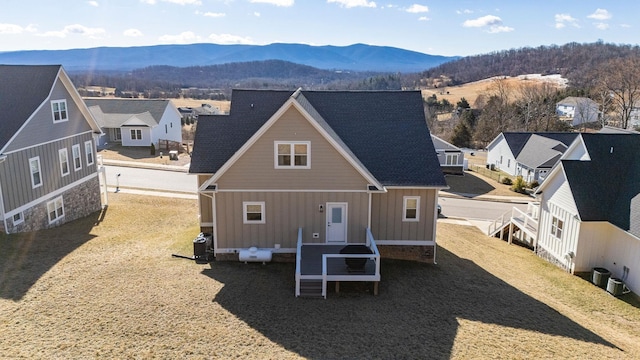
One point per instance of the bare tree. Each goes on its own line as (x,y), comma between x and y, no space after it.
(621,77)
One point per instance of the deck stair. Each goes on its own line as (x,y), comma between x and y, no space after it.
(311,288)
(525,222)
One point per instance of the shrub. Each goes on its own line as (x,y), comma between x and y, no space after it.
(152,149)
(506,180)
(519,185)
(534,184)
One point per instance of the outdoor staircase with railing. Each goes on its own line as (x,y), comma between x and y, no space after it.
(516,219)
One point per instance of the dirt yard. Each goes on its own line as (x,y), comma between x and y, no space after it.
(107,287)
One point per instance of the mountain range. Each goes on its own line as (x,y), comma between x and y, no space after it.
(357,57)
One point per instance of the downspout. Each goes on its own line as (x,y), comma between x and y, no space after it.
(4,218)
(369,215)
(435,222)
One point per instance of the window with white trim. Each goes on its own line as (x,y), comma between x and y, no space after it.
(77,161)
(292,155)
(18,218)
(136,134)
(88,151)
(411,208)
(452,159)
(36,172)
(556,227)
(64,161)
(59,110)
(55,209)
(253,212)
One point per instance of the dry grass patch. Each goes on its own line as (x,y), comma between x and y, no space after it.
(107,287)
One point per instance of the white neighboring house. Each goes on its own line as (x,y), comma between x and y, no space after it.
(528,154)
(577,110)
(634,116)
(135,122)
(589,216)
(450,157)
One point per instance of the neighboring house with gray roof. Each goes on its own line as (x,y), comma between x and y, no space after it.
(136,122)
(590,210)
(451,158)
(527,154)
(48,169)
(312,173)
(577,110)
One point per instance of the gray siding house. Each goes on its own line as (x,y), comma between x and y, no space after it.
(451,157)
(306,174)
(48,166)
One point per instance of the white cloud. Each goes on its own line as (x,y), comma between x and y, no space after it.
(186,37)
(76,29)
(487,20)
(11,29)
(179,2)
(625,25)
(93,3)
(256,14)
(600,14)
(353,3)
(491,23)
(230,39)
(210,14)
(563,20)
(416,8)
(423,18)
(602,26)
(283,3)
(465,11)
(132,33)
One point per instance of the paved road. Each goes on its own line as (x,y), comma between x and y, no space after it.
(150,179)
(475,209)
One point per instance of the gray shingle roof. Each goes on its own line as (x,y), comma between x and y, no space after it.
(517,140)
(385,130)
(540,152)
(118,111)
(22,89)
(607,188)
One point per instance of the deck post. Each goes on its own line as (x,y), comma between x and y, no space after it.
(337,287)
(510,233)
(375,287)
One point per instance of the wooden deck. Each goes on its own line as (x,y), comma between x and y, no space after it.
(311,261)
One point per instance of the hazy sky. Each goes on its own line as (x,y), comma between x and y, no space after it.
(438,27)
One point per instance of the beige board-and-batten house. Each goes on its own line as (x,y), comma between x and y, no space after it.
(304,174)
(49,172)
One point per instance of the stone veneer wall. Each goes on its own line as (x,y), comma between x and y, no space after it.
(541,252)
(79,201)
(420,253)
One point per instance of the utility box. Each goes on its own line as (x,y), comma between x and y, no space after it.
(173,155)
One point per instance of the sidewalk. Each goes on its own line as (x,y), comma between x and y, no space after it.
(479,197)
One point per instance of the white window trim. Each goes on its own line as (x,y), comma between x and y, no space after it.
(33,183)
(453,156)
(404,208)
(66,156)
(245,204)
(20,220)
(77,166)
(55,203)
(292,154)
(555,228)
(135,131)
(53,112)
(88,151)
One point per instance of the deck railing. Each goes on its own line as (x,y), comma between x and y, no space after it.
(526,220)
(375,256)
(499,223)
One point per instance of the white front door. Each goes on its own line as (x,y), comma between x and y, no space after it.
(337,222)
